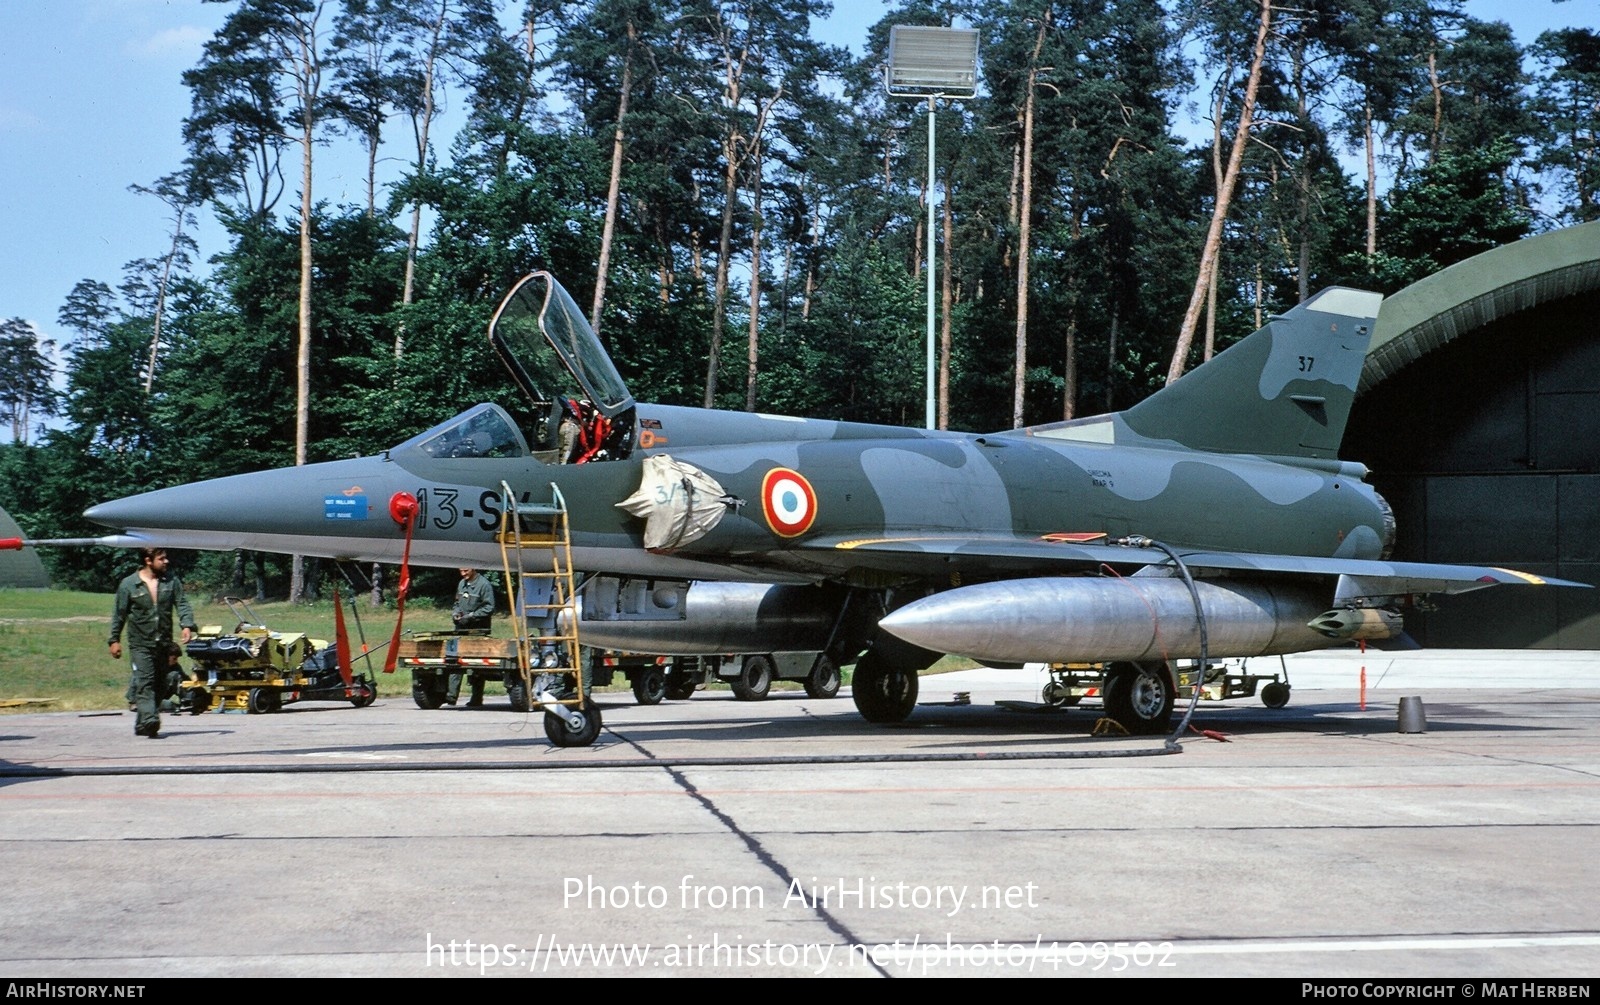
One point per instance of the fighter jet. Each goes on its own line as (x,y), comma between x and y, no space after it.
(1212,520)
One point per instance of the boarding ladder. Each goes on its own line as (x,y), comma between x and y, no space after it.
(536,555)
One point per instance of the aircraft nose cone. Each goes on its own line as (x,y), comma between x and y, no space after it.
(315,509)
(179,506)
(118,513)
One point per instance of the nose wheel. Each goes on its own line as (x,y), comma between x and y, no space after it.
(573,727)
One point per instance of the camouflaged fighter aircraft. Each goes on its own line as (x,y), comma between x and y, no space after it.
(888,546)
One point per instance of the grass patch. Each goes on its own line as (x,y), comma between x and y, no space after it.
(53,644)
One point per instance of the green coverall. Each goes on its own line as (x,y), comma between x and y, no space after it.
(149,624)
(473,609)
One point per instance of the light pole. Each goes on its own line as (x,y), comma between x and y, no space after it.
(926,62)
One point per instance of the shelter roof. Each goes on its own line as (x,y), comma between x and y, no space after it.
(1483,289)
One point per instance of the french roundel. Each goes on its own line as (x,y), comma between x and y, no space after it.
(788,501)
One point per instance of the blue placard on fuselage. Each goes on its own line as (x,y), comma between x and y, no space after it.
(344,507)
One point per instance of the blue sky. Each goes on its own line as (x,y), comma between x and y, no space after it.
(91,102)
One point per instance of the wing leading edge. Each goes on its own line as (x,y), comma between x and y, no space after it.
(1358,578)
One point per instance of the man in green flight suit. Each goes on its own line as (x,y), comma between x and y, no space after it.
(145,602)
(473,608)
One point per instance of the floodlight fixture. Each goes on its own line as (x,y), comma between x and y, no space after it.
(933,62)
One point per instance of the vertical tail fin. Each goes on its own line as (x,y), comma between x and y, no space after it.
(1284,390)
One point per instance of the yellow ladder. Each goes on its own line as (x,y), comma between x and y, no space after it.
(536,553)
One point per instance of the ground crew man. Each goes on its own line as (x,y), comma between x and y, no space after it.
(145,603)
(473,608)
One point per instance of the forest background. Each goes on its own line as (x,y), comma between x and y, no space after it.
(743,211)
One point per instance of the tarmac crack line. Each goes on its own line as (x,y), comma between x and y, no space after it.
(1494,758)
(759,850)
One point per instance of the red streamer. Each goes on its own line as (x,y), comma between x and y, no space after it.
(403,508)
(341,639)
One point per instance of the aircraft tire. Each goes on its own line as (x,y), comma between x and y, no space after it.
(649,686)
(755,678)
(1139,696)
(562,735)
(824,679)
(883,693)
(1275,694)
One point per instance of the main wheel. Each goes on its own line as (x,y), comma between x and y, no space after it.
(883,693)
(649,686)
(680,686)
(1275,694)
(585,733)
(824,679)
(1139,696)
(263,700)
(755,678)
(427,692)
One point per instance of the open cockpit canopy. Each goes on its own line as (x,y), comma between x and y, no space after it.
(546,343)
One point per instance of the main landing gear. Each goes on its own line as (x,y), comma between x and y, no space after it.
(1140,696)
(884,685)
